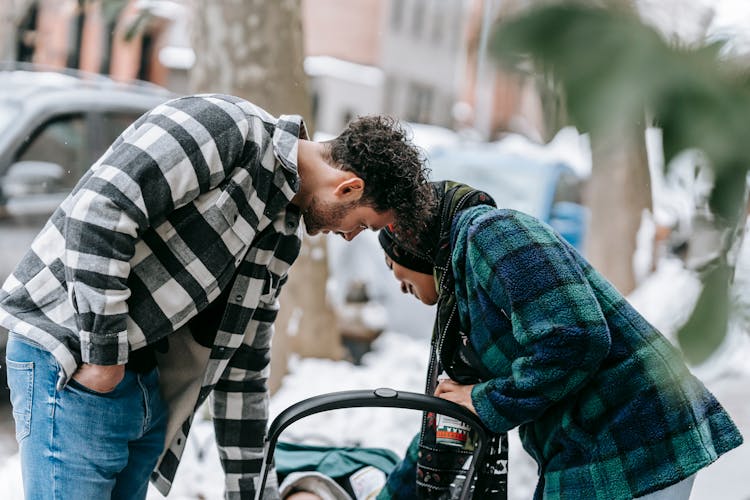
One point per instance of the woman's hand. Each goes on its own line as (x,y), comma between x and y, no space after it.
(453,391)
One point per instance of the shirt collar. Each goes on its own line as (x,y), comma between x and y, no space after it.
(289,130)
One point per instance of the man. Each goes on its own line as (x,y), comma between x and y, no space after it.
(532,336)
(162,269)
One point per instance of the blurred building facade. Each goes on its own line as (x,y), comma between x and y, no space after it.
(423,61)
(401,57)
(343,53)
(424,46)
(114,38)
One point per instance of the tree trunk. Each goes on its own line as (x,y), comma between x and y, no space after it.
(617,194)
(254,49)
(619,189)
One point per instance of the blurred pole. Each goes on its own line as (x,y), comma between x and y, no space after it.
(618,195)
(7,31)
(485,78)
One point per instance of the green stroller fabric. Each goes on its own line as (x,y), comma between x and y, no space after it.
(332,461)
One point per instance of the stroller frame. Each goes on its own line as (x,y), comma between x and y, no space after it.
(377,398)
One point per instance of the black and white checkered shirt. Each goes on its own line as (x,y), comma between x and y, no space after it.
(191,199)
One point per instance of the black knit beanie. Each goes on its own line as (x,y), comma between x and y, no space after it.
(401,255)
(422,255)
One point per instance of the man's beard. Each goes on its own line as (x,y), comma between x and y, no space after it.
(321,216)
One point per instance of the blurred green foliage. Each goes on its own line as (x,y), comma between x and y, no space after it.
(614,71)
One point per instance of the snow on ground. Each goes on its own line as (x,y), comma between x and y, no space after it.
(399,361)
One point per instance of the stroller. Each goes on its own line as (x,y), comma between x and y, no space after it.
(463,484)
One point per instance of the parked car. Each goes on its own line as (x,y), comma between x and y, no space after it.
(53,126)
(547,189)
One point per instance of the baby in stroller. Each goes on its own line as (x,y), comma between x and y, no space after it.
(308,472)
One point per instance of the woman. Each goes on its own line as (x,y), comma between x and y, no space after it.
(603,402)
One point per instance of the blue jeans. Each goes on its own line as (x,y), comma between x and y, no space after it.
(77,443)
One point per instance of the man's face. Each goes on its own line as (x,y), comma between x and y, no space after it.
(347,219)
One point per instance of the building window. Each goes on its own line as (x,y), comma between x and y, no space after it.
(347,116)
(26,38)
(147,52)
(438,21)
(74,39)
(389,94)
(397,14)
(419,107)
(455,28)
(417,18)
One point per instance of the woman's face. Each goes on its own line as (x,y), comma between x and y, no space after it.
(421,285)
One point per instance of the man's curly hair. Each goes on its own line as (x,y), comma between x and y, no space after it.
(378,150)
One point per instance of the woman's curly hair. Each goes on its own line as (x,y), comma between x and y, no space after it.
(378,149)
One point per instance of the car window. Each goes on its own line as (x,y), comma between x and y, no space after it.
(62,141)
(112,125)
(505,179)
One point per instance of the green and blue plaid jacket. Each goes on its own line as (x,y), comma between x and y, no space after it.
(604,403)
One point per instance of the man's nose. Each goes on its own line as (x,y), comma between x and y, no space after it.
(350,235)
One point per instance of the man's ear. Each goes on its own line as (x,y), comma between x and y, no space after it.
(350,189)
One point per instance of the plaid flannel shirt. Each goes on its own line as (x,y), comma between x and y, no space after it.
(192,198)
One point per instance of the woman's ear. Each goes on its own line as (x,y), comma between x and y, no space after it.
(350,189)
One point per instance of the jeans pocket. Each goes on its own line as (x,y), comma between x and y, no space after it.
(21,384)
(79,387)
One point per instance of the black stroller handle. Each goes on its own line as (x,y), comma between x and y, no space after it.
(377,398)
